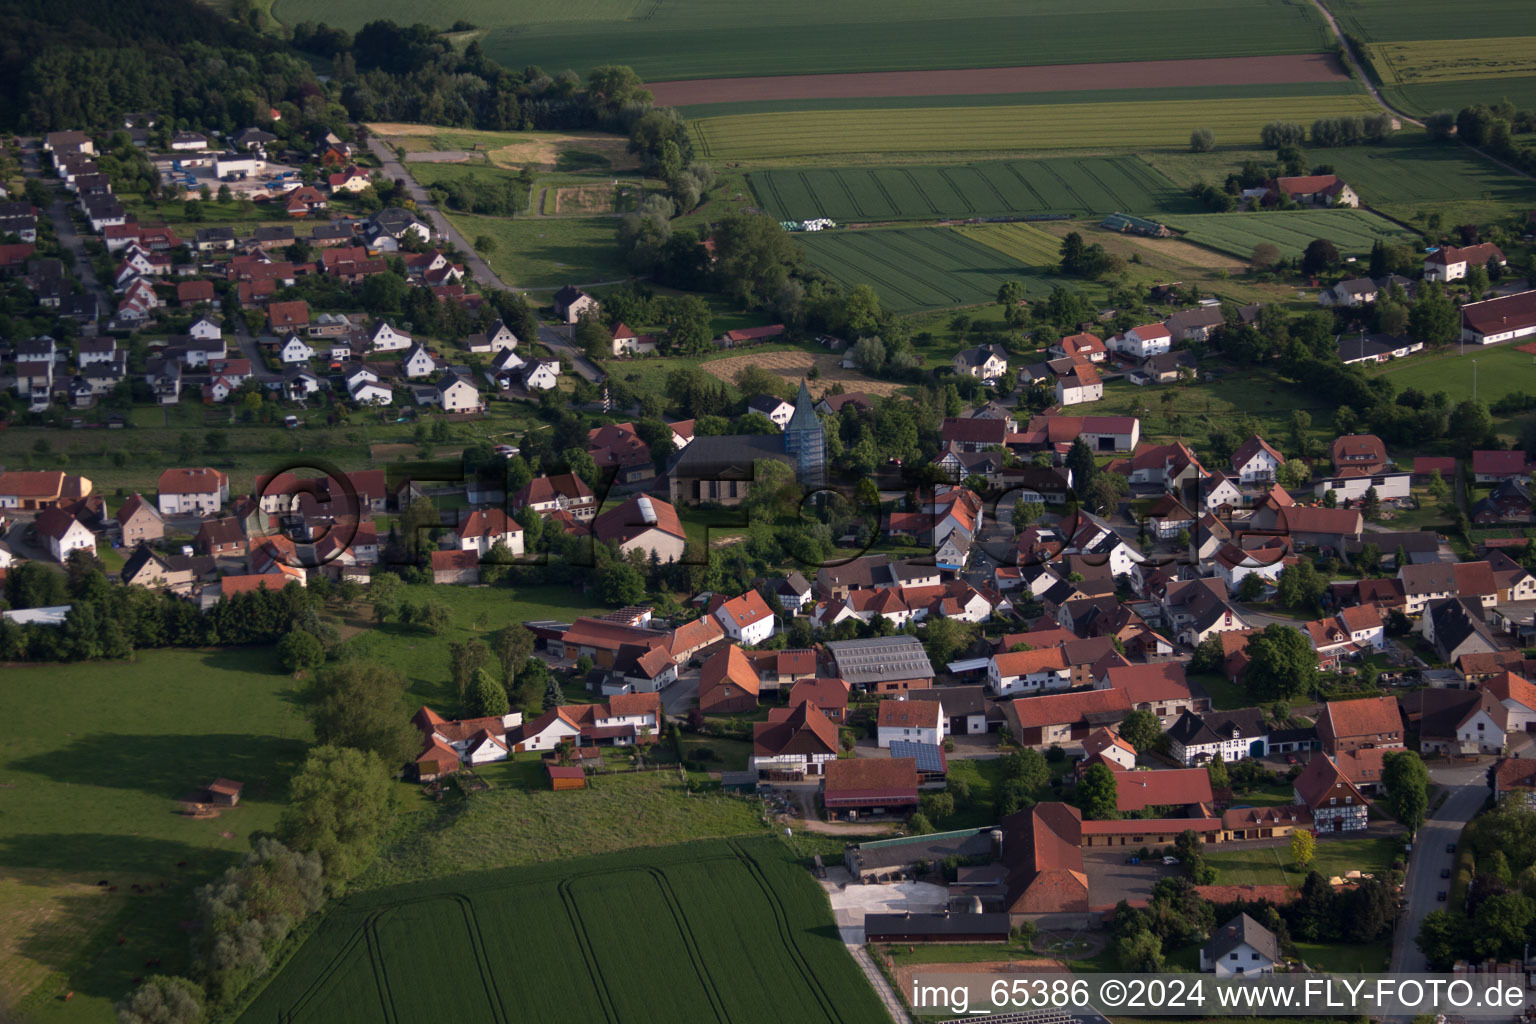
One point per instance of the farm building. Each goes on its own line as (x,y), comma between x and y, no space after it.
(1126,224)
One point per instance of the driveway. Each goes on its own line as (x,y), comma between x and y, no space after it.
(1112,879)
(1468,792)
(250,349)
(681,694)
(852,900)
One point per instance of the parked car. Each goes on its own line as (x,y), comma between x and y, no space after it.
(1441,897)
(1445,872)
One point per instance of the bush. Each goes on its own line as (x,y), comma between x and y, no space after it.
(702,754)
(1202,140)
(1055,754)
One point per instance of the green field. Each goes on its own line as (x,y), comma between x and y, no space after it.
(720,931)
(1501,370)
(1424,61)
(1003,129)
(98,759)
(1409,169)
(1023,242)
(666,39)
(1376,24)
(918,268)
(547,252)
(991,189)
(1352,231)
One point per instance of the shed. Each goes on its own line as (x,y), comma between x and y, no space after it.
(563,776)
(225,792)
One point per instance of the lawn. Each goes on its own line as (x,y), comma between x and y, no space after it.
(920,268)
(983,777)
(1271,865)
(1194,408)
(1003,129)
(548,252)
(955,953)
(1085,185)
(476,612)
(726,930)
(1225,694)
(510,826)
(1354,232)
(1346,957)
(98,760)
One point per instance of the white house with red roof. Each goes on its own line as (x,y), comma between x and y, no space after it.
(63,533)
(643,523)
(746,619)
(1255,461)
(918,721)
(1451,263)
(197,491)
(482,529)
(627,343)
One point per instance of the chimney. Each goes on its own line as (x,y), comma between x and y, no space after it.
(997,844)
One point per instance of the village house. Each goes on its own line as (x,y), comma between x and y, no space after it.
(1232,735)
(1241,946)
(727,683)
(746,619)
(793,742)
(865,787)
(1337,805)
(456,566)
(1367,722)
(138,522)
(61,532)
(920,721)
(482,529)
(571,304)
(986,362)
(1450,263)
(1143,342)
(1314,190)
(646,524)
(198,491)
(1458,722)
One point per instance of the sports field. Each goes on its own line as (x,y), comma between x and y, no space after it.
(673,39)
(715,931)
(919,268)
(1001,129)
(1352,231)
(988,189)
(1501,370)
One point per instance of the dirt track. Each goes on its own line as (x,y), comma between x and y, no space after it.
(793,365)
(1308,67)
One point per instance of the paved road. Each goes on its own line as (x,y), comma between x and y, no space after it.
(558,340)
(250,349)
(1359,72)
(476,266)
(1468,791)
(893,1004)
(69,236)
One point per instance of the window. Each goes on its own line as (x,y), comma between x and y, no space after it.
(1332,801)
(1231,956)
(1253,956)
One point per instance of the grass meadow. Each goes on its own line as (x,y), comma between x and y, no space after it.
(544,253)
(98,760)
(727,930)
(1501,370)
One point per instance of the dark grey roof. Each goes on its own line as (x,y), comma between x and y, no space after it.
(978,355)
(1241,930)
(1457,620)
(1365,346)
(1217,726)
(956,700)
(917,926)
(728,456)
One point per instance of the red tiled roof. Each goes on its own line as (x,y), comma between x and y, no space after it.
(799,730)
(1511,463)
(199,480)
(729,666)
(1423,465)
(862,779)
(1064,708)
(1317,782)
(1167,787)
(1501,315)
(627,522)
(1307,184)
(1040,659)
(910,714)
(1145,683)
(825,692)
(746,609)
(445,560)
(1367,716)
(1508,686)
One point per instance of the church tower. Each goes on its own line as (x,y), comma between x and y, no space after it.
(803,438)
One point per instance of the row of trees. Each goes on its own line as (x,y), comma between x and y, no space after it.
(1493,915)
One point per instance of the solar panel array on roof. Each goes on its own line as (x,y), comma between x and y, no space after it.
(929,758)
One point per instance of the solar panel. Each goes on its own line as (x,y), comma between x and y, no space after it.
(928,756)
